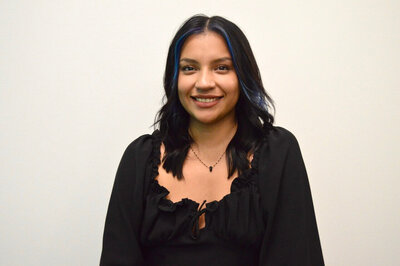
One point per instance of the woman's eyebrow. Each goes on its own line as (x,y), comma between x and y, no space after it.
(192,61)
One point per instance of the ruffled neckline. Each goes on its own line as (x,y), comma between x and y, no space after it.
(245,179)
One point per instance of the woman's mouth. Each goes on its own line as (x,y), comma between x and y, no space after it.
(208,101)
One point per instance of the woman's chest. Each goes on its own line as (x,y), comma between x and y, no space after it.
(186,218)
(199,183)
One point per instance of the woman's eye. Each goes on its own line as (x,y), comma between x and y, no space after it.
(222,68)
(187,68)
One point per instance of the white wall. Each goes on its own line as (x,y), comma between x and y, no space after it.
(79,80)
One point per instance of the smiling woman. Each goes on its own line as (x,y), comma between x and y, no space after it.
(208,86)
(216,183)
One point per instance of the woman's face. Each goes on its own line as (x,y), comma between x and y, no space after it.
(208,86)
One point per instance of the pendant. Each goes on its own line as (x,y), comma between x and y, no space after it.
(210,168)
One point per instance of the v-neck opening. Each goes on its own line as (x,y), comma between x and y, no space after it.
(242,178)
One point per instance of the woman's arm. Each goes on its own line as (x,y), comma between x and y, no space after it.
(292,235)
(121,232)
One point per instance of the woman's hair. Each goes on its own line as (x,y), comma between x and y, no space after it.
(252,109)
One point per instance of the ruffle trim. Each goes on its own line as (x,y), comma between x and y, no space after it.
(243,181)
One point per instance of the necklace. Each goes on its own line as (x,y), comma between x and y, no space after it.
(211,166)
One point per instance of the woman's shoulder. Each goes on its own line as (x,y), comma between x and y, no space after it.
(280,136)
(280,155)
(277,143)
(142,145)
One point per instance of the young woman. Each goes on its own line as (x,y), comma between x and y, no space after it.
(216,183)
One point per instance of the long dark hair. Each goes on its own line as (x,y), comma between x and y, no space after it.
(252,109)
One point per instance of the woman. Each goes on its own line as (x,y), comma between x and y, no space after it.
(217,183)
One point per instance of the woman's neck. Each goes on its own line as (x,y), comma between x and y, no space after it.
(212,138)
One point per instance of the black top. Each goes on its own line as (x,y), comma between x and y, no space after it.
(267,218)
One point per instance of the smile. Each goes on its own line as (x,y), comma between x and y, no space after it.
(206,100)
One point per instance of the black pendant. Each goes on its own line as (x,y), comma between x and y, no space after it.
(210,168)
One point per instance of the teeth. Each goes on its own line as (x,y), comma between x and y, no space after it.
(206,100)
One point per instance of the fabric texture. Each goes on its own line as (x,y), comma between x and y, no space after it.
(267,219)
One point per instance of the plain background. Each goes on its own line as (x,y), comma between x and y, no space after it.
(79,80)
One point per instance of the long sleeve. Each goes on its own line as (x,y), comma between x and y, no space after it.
(121,245)
(291,237)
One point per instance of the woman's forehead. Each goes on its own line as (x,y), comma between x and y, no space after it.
(207,45)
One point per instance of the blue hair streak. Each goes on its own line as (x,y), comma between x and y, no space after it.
(258,98)
(177,53)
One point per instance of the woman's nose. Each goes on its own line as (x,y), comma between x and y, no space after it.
(205,80)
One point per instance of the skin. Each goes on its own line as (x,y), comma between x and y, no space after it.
(206,70)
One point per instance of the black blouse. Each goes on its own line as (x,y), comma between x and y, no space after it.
(266,219)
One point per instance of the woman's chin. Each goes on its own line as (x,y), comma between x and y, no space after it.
(204,121)
(209,119)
